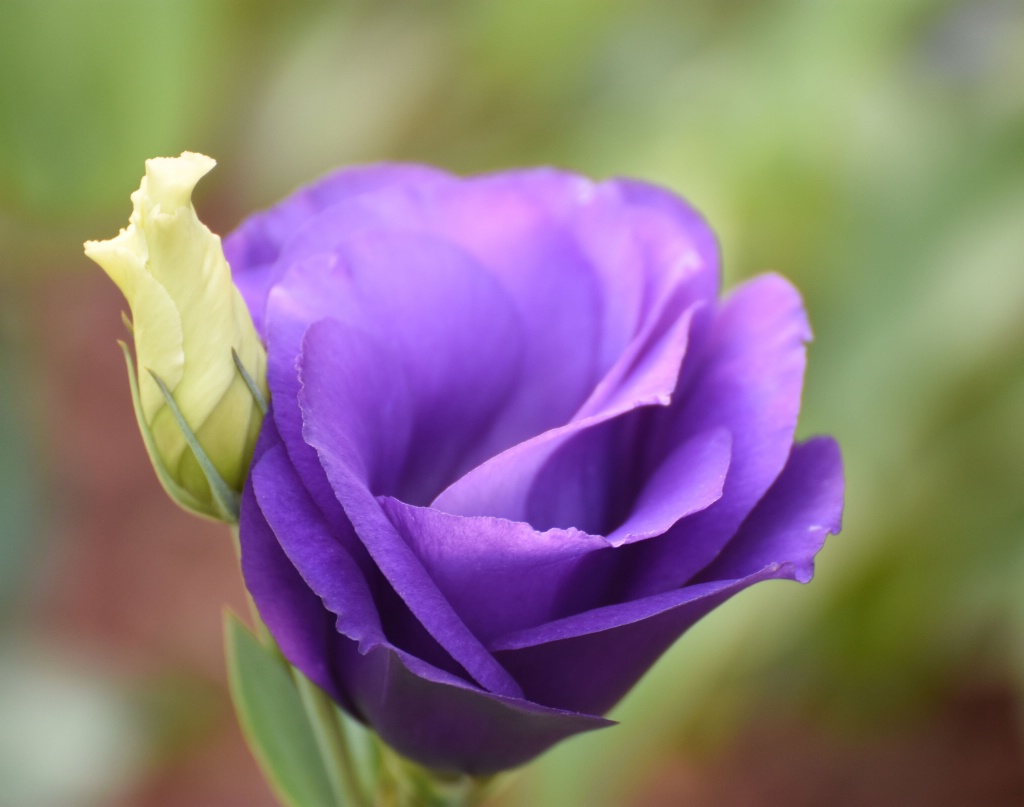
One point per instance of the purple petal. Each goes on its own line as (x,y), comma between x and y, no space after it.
(315,550)
(512,236)
(421,710)
(331,391)
(589,661)
(289,608)
(636,240)
(778,540)
(505,486)
(682,248)
(444,331)
(444,325)
(445,724)
(321,555)
(254,247)
(803,506)
(687,481)
(749,382)
(499,575)
(289,313)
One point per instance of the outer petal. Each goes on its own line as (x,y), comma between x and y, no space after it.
(680,245)
(444,328)
(443,322)
(501,575)
(422,711)
(516,244)
(449,726)
(749,381)
(587,662)
(254,247)
(365,607)
(293,613)
(804,505)
(328,392)
(619,246)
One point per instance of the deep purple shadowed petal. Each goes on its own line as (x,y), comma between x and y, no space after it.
(313,550)
(566,661)
(645,376)
(449,726)
(331,394)
(686,481)
(588,662)
(500,575)
(749,382)
(422,711)
(289,608)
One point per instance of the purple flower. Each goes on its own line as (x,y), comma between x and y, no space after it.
(517,446)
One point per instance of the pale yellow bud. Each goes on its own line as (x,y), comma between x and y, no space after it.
(190,323)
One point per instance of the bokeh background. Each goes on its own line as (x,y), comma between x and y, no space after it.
(871,150)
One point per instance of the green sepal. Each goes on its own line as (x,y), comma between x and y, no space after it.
(273,720)
(257,396)
(177,493)
(405,783)
(223,496)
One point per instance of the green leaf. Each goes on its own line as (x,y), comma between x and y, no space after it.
(273,720)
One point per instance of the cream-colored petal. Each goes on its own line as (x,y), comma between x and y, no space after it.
(188,317)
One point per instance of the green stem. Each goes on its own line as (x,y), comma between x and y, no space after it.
(320,712)
(407,784)
(333,748)
(396,782)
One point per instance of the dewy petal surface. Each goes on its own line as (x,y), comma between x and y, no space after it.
(803,506)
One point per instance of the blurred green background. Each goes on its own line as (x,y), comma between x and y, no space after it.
(870,150)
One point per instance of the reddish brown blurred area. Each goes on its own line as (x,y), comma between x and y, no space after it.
(969,753)
(130,578)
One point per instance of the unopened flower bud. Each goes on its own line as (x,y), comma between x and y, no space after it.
(199,382)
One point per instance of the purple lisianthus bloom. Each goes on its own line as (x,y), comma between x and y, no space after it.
(517,446)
